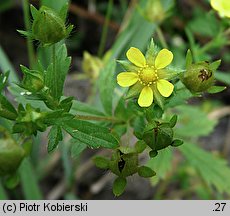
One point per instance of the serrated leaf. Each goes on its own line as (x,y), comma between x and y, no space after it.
(55,76)
(90,134)
(213,170)
(119,186)
(55,136)
(193,122)
(216,89)
(161,164)
(77,148)
(106,86)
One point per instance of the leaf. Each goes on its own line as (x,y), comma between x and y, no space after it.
(216,89)
(77,148)
(119,186)
(161,164)
(193,122)
(55,136)
(55,76)
(213,170)
(29,182)
(90,134)
(106,86)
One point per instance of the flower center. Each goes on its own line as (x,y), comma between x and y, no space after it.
(147,75)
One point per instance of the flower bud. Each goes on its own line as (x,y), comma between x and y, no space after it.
(91,65)
(33,80)
(48,26)
(11,155)
(198,77)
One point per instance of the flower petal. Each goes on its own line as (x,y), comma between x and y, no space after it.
(136,57)
(163,59)
(126,79)
(165,87)
(222,6)
(146,97)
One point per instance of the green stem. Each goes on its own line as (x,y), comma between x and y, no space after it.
(97,118)
(161,37)
(105,29)
(30,47)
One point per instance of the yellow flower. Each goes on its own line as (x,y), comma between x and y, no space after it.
(222,6)
(149,74)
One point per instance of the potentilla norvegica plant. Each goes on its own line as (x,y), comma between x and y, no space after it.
(152,86)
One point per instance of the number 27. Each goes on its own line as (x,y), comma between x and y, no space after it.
(219,205)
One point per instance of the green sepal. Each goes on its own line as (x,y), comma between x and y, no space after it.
(140,146)
(173,121)
(101,162)
(119,186)
(216,89)
(134,91)
(146,172)
(153,153)
(27,34)
(151,53)
(189,58)
(34,11)
(177,142)
(128,66)
(214,65)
